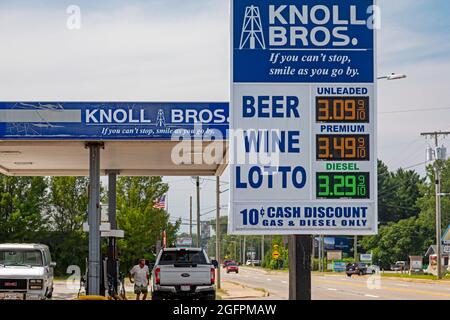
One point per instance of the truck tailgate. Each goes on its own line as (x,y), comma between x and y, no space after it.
(199,275)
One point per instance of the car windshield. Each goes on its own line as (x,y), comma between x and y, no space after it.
(18,257)
(181,257)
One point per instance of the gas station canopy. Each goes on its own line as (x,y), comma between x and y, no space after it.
(138,139)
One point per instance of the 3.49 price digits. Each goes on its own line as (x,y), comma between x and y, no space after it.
(342,147)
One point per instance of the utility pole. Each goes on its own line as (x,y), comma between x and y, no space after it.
(197,185)
(323,254)
(243,251)
(300,267)
(262,249)
(313,253)
(218,230)
(437,155)
(190,216)
(319,253)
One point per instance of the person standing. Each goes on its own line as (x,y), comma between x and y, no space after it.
(139,275)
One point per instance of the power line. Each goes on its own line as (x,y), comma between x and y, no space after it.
(415,110)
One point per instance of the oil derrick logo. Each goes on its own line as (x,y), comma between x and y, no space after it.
(160,120)
(252,32)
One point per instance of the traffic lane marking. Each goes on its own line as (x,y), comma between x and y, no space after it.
(413,291)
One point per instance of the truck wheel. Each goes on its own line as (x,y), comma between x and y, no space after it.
(349,275)
(211,296)
(49,293)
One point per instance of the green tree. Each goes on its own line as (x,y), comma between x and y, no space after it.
(69,202)
(397,241)
(143,224)
(398,193)
(68,199)
(22,203)
(412,229)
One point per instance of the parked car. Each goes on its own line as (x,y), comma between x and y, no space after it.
(232,267)
(358,268)
(400,266)
(26,272)
(253,262)
(183,273)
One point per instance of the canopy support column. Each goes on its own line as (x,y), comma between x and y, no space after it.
(113,262)
(94,260)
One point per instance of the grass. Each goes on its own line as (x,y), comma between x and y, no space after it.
(412,276)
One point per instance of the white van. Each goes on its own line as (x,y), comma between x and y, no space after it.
(26,272)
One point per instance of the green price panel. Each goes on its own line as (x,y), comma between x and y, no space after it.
(335,185)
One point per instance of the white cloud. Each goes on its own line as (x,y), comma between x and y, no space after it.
(126,54)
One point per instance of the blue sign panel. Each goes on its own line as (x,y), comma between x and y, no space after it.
(112,121)
(336,243)
(306,41)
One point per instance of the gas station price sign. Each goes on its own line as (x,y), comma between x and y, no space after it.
(342,109)
(343,147)
(303,99)
(337,185)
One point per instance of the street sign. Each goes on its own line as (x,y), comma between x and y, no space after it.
(366,257)
(303,118)
(334,255)
(100,121)
(339,266)
(275,255)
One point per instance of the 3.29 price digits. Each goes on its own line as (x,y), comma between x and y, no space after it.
(331,185)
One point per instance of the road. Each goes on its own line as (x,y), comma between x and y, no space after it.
(324,286)
(341,287)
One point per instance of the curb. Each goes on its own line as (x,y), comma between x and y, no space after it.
(264,292)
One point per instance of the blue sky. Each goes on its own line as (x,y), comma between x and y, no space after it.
(165,50)
(425,25)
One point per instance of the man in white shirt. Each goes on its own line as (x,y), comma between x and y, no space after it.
(139,275)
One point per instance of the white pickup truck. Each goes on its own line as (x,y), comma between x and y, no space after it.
(26,272)
(183,273)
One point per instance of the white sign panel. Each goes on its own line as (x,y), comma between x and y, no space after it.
(366,257)
(303,118)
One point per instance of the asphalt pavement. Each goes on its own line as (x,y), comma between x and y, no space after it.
(324,286)
(341,287)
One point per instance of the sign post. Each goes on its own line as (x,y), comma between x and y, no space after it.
(303,122)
